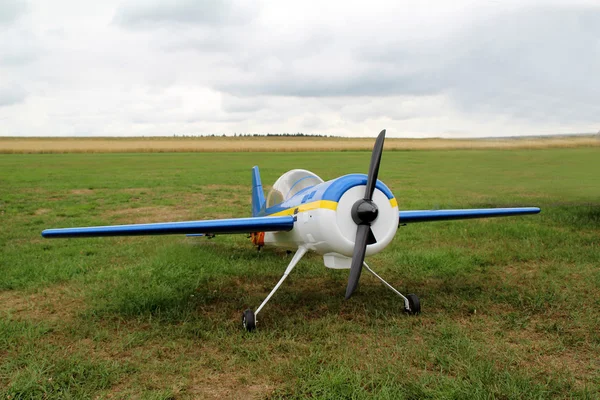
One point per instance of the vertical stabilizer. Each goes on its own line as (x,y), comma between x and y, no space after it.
(258,196)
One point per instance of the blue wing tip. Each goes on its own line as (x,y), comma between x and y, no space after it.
(468,213)
(51,233)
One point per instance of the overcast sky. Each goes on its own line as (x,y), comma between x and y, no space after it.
(418,68)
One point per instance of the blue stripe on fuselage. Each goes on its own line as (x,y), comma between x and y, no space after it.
(331,190)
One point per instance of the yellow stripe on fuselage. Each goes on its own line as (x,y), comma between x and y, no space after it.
(328,204)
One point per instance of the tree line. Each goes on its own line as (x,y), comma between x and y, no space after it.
(298,134)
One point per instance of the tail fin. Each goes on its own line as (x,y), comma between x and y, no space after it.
(258,196)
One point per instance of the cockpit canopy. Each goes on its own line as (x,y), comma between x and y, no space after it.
(291,183)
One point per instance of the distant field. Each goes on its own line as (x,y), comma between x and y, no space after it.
(511,307)
(242,144)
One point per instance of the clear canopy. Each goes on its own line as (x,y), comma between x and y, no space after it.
(291,183)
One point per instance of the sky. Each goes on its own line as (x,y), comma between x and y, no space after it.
(349,68)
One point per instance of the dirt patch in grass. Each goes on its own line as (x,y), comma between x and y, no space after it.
(143,215)
(531,344)
(517,274)
(228,188)
(191,200)
(545,352)
(56,303)
(204,372)
(227,386)
(136,190)
(82,191)
(198,385)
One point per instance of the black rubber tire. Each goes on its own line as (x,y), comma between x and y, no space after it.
(414,303)
(248,320)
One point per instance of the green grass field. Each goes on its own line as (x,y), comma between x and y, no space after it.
(511,307)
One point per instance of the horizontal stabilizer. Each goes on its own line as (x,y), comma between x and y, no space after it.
(233,225)
(407,217)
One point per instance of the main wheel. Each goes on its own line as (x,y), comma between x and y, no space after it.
(248,320)
(414,304)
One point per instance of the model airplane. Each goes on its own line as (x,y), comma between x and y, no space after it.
(343,220)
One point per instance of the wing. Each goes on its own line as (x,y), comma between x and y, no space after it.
(445,215)
(233,225)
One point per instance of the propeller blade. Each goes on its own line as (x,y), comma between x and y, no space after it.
(364,212)
(358,257)
(371,239)
(374,167)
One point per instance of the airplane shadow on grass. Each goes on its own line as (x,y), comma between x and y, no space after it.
(584,215)
(572,214)
(310,291)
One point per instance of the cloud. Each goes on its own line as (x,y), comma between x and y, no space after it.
(538,64)
(234,104)
(11,94)
(146,13)
(532,63)
(465,68)
(11,10)
(18,47)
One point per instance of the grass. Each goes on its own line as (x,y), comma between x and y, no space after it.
(21,145)
(511,307)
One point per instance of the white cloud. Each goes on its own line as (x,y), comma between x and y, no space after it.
(146,14)
(11,94)
(418,69)
(11,10)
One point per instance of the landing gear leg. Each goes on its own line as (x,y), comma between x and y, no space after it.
(412,305)
(249,316)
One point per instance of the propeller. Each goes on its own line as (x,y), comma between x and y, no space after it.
(364,212)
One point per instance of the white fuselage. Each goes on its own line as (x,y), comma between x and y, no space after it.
(327,228)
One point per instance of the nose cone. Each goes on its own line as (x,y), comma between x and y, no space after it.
(353,210)
(364,211)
